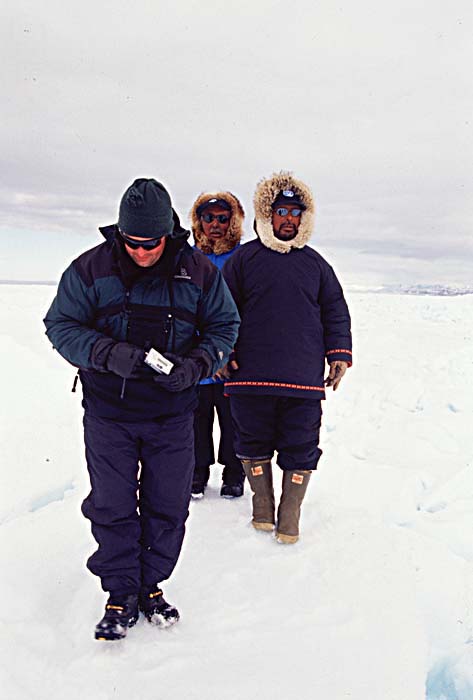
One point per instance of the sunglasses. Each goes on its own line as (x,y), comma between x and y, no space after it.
(221,218)
(283,211)
(148,244)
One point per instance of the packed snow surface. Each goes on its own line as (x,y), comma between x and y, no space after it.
(375,602)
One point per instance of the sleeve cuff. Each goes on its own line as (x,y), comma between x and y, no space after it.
(340,354)
(203,358)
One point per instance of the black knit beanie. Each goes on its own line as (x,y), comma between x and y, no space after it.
(146,210)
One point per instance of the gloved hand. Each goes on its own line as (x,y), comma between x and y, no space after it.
(226,371)
(185,373)
(125,360)
(337,370)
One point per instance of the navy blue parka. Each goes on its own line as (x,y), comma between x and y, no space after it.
(293,312)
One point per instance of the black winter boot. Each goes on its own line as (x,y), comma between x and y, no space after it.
(233,478)
(156,609)
(232,490)
(199,482)
(121,612)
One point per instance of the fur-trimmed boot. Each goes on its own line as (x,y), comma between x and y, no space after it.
(260,477)
(294,486)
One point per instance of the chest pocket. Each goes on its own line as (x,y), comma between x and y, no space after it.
(155,326)
(149,326)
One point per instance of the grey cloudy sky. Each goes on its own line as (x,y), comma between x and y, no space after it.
(368,102)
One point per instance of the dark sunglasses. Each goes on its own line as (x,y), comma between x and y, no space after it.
(283,211)
(221,218)
(148,244)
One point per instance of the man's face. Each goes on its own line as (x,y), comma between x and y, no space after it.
(215,229)
(285,226)
(145,258)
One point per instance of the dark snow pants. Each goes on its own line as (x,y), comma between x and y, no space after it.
(211,399)
(265,423)
(138,515)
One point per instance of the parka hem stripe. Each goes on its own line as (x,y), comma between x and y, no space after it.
(277,384)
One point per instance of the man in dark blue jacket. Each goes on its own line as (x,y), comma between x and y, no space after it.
(143,289)
(293,318)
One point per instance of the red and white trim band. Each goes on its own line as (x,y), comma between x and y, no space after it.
(348,352)
(279,384)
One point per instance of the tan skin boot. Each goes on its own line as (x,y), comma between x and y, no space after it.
(294,486)
(260,478)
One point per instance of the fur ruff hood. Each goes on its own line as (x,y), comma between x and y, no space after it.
(266,193)
(235,229)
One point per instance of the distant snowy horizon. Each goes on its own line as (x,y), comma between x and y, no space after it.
(39,259)
(437,290)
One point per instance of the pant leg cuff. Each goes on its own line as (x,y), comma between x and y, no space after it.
(291,466)
(253,457)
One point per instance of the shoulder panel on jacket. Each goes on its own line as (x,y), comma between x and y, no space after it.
(312,253)
(95,263)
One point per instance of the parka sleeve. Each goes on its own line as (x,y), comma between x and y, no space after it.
(218,323)
(69,320)
(335,318)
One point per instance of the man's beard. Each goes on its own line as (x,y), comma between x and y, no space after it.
(286,235)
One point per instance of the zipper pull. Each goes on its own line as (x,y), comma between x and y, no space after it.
(168,324)
(74,384)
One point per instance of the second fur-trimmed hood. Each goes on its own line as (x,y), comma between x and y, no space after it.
(235,229)
(265,194)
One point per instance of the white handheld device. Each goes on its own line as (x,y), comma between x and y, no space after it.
(158,362)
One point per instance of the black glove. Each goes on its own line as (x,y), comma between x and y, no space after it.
(125,359)
(185,373)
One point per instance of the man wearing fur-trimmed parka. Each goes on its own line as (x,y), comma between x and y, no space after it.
(217,221)
(294,318)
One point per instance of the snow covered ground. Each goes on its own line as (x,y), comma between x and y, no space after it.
(374,603)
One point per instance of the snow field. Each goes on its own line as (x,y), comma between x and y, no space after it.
(376,599)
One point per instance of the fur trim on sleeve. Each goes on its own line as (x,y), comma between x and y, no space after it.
(265,194)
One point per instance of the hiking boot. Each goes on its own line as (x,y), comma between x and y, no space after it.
(260,476)
(294,486)
(198,488)
(155,608)
(231,490)
(121,612)
(199,482)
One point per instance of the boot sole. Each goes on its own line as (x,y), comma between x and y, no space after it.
(286,539)
(267,527)
(111,636)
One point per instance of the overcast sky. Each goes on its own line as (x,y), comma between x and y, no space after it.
(370,103)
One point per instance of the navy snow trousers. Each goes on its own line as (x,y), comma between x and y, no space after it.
(140,476)
(265,423)
(211,399)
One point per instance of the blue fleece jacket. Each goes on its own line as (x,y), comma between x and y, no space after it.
(219,261)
